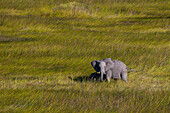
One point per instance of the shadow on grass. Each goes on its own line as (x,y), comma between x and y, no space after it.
(80,78)
(93,77)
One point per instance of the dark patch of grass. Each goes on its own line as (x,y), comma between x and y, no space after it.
(14,39)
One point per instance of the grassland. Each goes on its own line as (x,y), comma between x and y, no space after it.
(46,48)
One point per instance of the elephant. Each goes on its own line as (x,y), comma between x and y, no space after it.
(112,69)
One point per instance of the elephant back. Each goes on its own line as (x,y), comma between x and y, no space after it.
(119,63)
(119,67)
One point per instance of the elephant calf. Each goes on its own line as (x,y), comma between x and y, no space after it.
(112,69)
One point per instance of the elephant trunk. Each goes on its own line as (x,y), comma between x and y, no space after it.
(101,76)
(102,70)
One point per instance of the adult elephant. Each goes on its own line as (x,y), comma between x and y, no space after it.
(113,69)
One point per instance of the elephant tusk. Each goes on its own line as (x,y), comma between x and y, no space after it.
(98,72)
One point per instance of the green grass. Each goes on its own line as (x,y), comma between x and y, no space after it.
(46,48)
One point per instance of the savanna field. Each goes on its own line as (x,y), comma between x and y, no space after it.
(46,47)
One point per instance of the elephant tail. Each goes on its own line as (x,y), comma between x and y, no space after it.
(130,70)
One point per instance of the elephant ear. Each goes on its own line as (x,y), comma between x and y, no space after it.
(95,64)
(109,65)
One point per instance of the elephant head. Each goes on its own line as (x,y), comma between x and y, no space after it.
(102,66)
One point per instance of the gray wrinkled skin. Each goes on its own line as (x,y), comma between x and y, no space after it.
(113,69)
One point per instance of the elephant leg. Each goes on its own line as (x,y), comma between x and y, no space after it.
(124,76)
(108,76)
